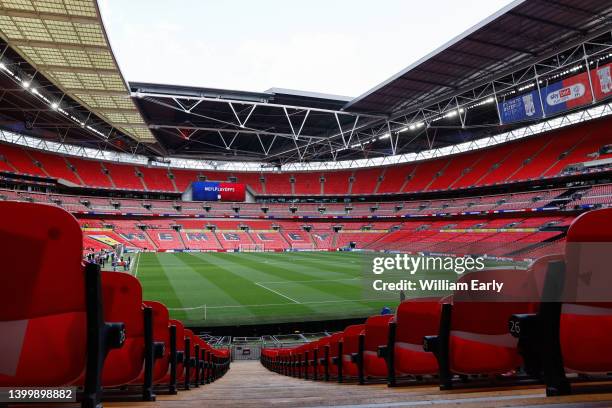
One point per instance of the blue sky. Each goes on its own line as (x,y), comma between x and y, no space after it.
(342,47)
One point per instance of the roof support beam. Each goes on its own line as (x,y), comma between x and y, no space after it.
(546,22)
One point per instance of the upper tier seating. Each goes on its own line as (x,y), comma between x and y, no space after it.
(541,156)
(307,183)
(91,172)
(365,181)
(336,183)
(156,179)
(56,166)
(124,176)
(17,158)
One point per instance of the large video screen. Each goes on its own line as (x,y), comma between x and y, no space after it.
(215,191)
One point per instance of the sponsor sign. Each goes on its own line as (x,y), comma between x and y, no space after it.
(567,94)
(520,108)
(104,239)
(215,191)
(602,81)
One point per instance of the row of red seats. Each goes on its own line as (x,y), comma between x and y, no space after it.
(542,156)
(547,326)
(68,324)
(515,201)
(502,236)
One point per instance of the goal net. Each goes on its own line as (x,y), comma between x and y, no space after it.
(252,248)
(302,246)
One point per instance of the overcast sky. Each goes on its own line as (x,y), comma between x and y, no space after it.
(342,47)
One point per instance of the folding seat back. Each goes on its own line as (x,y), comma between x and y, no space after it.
(350,346)
(479,340)
(415,319)
(334,340)
(42,296)
(180,350)
(586,315)
(122,294)
(322,349)
(300,351)
(310,348)
(161,335)
(191,337)
(376,334)
(225,353)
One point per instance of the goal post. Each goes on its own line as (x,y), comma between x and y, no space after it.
(302,246)
(251,248)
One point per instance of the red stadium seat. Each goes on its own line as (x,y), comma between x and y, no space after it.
(481,346)
(221,362)
(323,348)
(415,319)
(573,327)
(176,370)
(160,346)
(50,314)
(376,335)
(334,342)
(189,358)
(351,366)
(122,295)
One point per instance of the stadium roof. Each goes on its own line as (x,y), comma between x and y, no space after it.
(518,34)
(64,40)
(442,100)
(234,125)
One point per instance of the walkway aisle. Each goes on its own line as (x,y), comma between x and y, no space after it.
(248,384)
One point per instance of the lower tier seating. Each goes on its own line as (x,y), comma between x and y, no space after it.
(551,323)
(86,328)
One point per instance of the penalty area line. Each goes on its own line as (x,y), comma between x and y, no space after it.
(273,291)
(319,302)
(136,265)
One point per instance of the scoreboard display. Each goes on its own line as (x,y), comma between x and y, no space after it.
(215,191)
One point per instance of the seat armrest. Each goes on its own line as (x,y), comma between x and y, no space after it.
(354,358)
(523,326)
(159,349)
(115,335)
(381,352)
(180,356)
(430,344)
(335,360)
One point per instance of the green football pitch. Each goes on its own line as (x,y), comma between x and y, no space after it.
(219,289)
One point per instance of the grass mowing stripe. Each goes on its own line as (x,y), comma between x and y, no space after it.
(249,291)
(155,282)
(316,262)
(227,284)
(220,278)
(292,276)
(194,284)
(320,289)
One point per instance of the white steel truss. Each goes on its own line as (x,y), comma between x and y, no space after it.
(530,130)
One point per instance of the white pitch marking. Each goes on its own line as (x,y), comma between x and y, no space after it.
(276,304)
(314,280)
(136,266)
(278,293)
